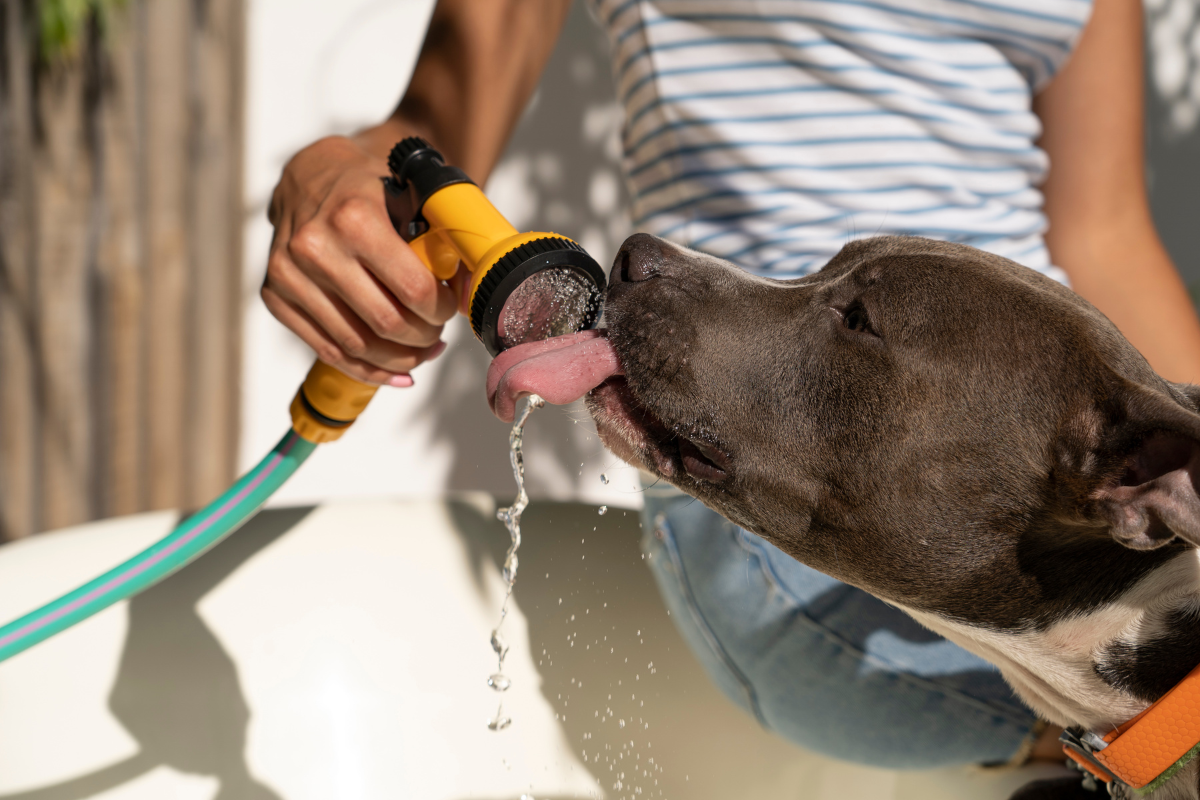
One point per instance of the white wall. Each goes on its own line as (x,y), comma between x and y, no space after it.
(318,67)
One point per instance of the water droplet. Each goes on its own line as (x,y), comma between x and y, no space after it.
(602,510)
(604,479)
(621,723)
(499,723)
(499,682)
(498,644)
(509,573)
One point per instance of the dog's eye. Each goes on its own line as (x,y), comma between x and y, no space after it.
(855,319)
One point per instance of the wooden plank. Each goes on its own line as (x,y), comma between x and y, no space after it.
(121,416)
(64,174)
(214,240)
(166,187)
(20,470)
(120,251)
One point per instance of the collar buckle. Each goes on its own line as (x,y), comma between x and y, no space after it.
(1077,744)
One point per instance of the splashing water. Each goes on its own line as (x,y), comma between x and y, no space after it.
(549,303)
(511,517)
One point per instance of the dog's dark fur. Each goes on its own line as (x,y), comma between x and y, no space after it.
(946,429)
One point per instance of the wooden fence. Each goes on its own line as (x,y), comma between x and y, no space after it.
(120,246)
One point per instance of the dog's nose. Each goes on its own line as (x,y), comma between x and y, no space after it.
(640,258)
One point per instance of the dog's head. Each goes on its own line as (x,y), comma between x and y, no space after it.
(924,420)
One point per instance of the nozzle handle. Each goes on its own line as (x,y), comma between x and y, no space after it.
(418,172)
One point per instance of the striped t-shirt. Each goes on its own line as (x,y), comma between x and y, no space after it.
(771,132)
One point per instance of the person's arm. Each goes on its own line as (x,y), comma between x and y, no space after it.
(338,275)
(1101,232)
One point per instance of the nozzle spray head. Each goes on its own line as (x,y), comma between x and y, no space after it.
(525,287)
(543,288)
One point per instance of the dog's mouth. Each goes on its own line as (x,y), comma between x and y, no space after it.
(585,364)
(636,433)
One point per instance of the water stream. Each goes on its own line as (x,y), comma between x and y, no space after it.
(511,517)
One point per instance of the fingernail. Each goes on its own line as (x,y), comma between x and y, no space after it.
(436,351)
(400,381)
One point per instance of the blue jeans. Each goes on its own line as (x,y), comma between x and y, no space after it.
(823,664)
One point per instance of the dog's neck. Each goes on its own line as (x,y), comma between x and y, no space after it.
(1068,671)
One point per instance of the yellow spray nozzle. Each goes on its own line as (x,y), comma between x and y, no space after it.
(524,286)
(446,219)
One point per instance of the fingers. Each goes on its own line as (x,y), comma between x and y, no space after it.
(341,343)
(326,263)
(340,276)
(371,240)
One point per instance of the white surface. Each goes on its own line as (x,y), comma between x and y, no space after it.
(349,652)
(356,639)
(41,747)
(393,695)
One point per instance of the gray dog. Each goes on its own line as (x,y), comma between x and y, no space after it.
(948,430)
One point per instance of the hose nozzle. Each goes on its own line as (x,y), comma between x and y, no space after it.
(524,286)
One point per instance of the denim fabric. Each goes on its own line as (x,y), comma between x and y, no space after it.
(823,664)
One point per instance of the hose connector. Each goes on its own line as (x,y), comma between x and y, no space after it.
(327,403)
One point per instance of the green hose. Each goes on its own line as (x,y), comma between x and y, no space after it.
(189,540)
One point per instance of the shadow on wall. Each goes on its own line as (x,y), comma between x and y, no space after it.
(1173,129)
(177,691)
(561,174)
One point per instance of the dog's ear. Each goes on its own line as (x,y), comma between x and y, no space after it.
(1149,495)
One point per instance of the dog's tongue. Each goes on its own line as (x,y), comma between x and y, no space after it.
(561,370)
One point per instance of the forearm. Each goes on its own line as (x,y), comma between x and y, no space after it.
(1101,231)
(479,65)
(1123,269)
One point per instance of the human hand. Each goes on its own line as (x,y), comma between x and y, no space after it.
(341,278)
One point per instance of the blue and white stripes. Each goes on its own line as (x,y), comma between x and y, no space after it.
(770,132)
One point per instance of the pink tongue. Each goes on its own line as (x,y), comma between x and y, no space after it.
(561,370)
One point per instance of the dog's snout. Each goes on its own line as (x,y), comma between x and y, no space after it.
(640,258)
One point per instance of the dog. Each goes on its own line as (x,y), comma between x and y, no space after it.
(952,432)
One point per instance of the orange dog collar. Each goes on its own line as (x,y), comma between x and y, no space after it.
(1148,749)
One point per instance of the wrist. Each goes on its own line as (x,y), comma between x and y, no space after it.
(379,140)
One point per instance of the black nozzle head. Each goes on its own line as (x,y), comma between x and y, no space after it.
(544,288)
